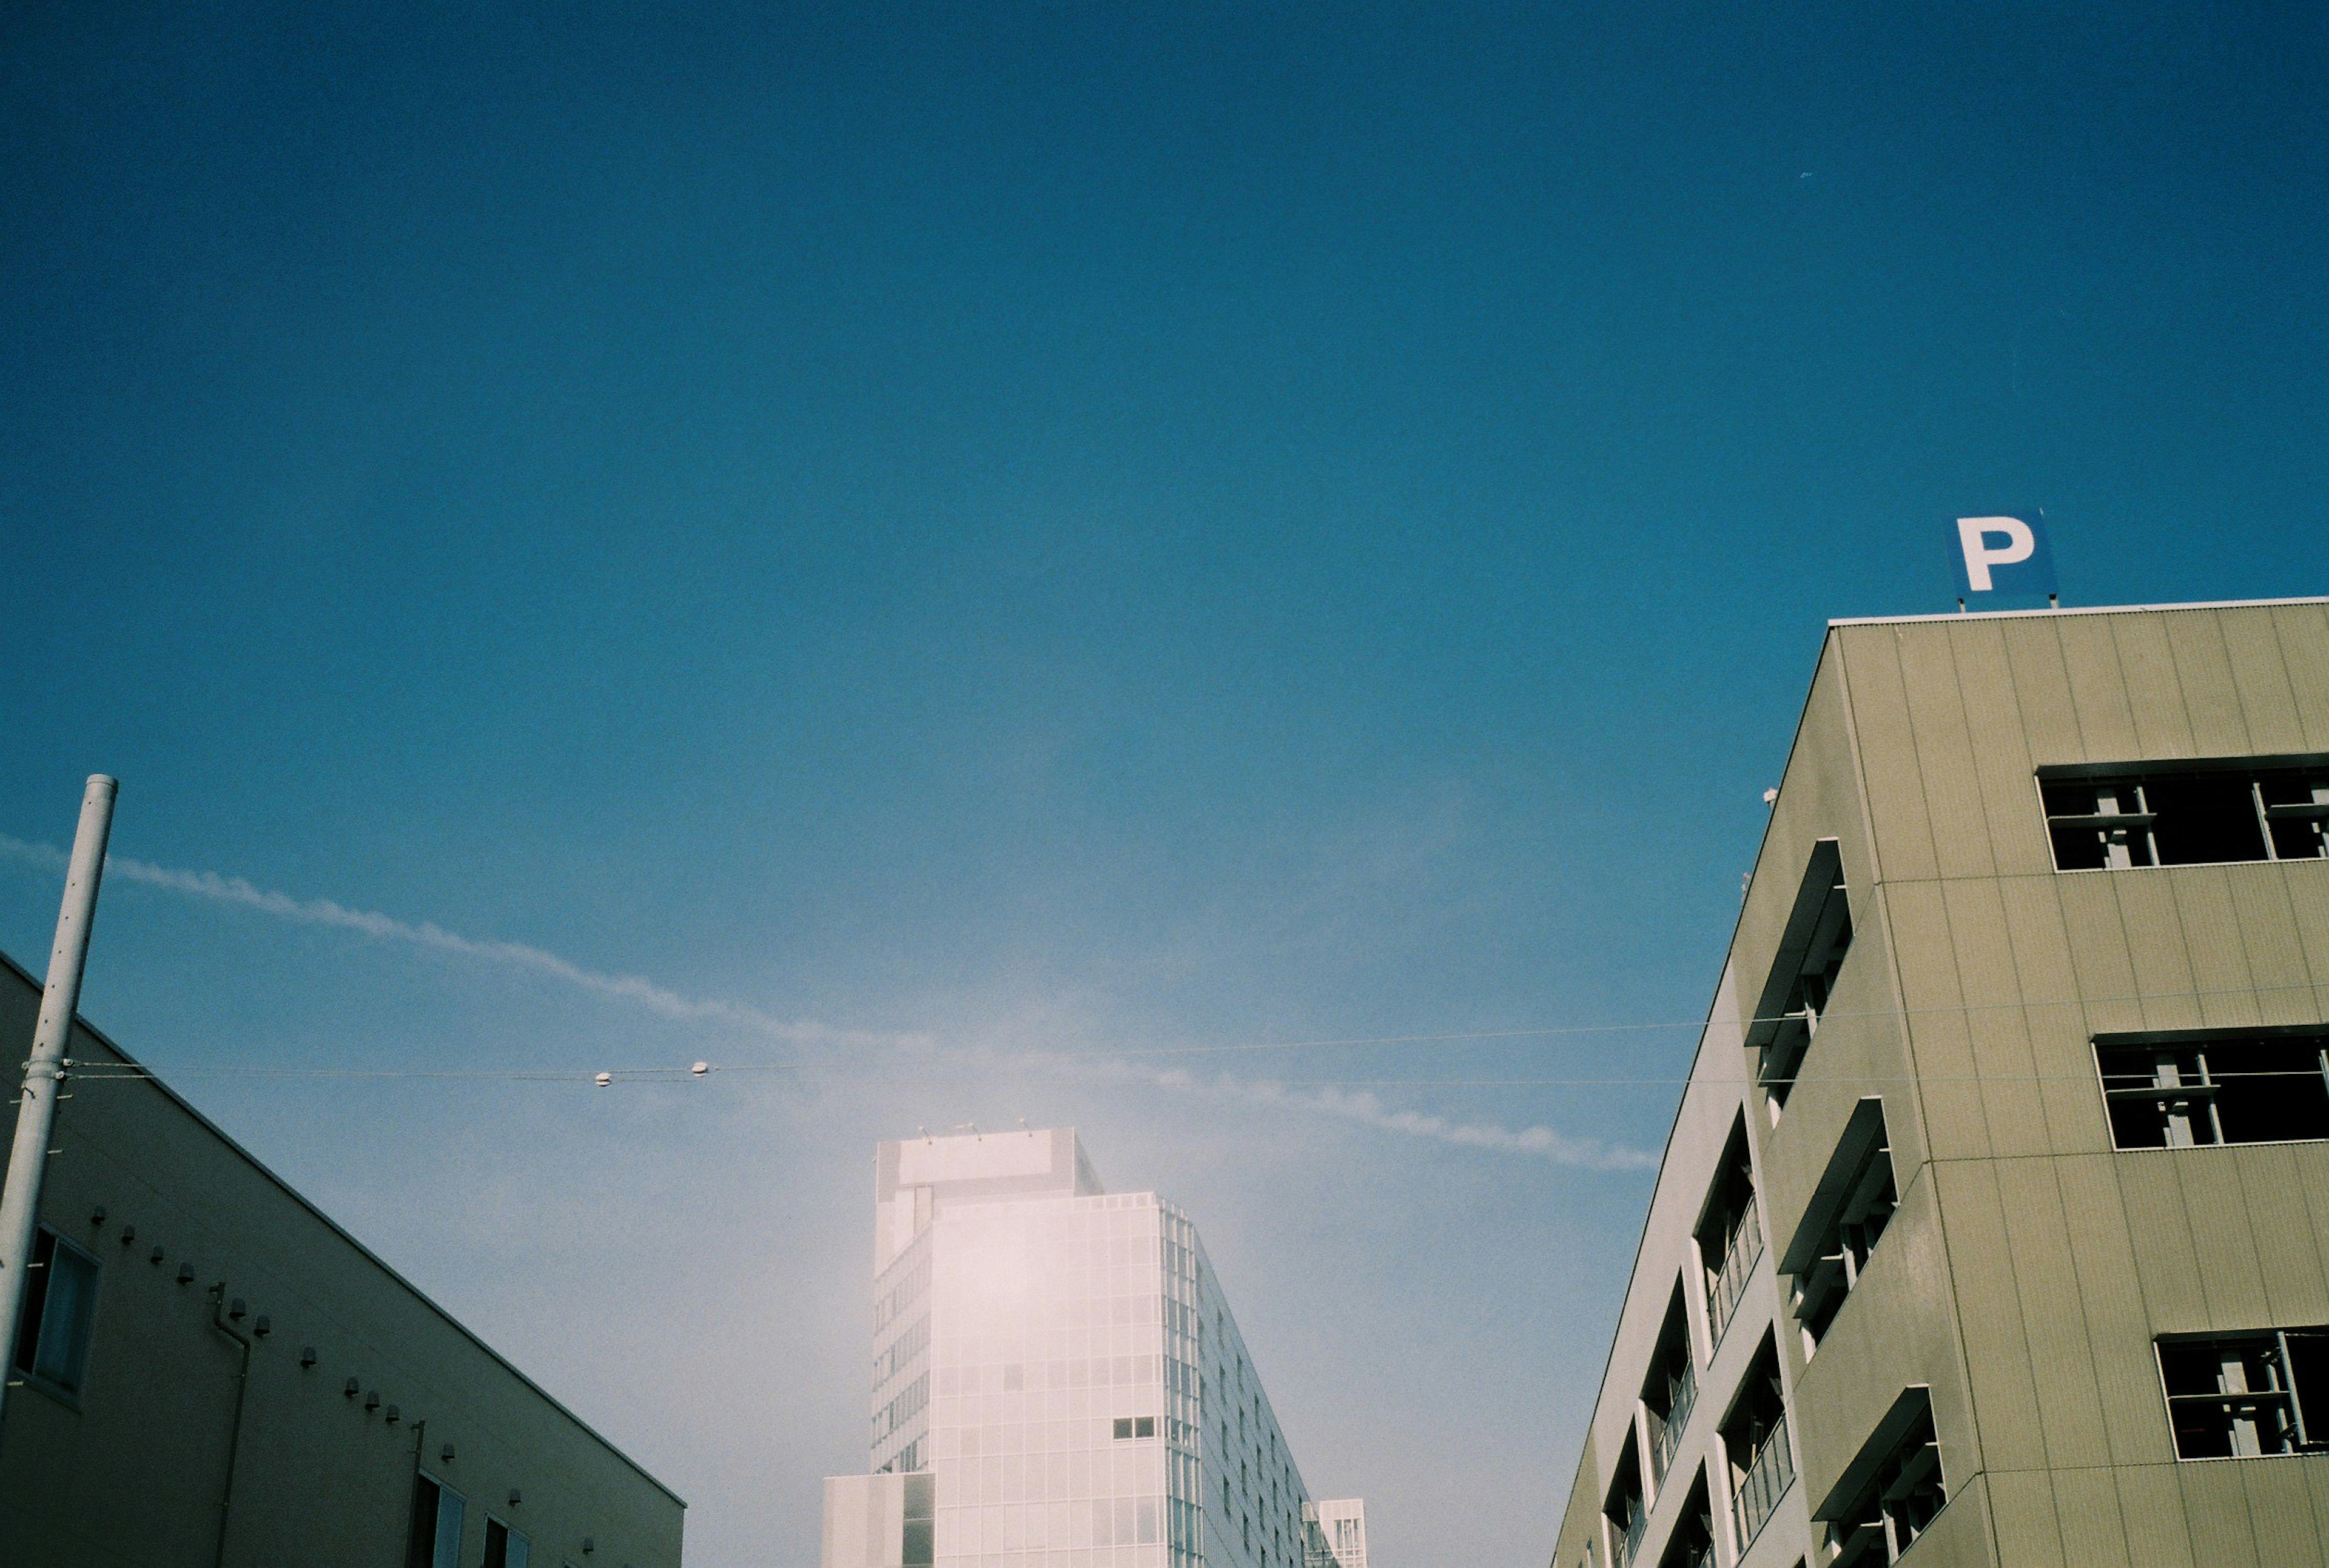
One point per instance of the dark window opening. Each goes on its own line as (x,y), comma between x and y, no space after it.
(1803,973)
(2190,814)
(60,1301)
(504,1547)
(1846,1217)
(1625,1511)
(2192,1088)
(2232,1395)
(1671,1390)
(922,1521)
(1755,1445)
(1890,1493)
(1691,1544)
(438,1514)
(1729,1234)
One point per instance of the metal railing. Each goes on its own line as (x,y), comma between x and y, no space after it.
(1625,1547)
(1744,1249)
(1769,1475)
(1668,1436)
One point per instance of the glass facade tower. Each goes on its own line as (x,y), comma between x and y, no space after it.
(1059,1362)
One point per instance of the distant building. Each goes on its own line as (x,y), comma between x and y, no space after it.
(1994,1227)
(1057,1379)
(212,1375)
(1342,1538)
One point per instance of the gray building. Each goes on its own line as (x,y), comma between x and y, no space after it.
(1994,1227)
(210,1374)
(1057,1380)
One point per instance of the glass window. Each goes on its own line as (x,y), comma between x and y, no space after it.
(504,1547)
(52,1341)
(438,1514)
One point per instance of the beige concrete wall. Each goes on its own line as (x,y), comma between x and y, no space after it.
(2061,1260)
(136,1470)
(2030,1267)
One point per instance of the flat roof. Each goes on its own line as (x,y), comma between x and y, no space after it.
(2066,610)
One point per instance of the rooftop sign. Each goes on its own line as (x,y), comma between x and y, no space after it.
(2003,562)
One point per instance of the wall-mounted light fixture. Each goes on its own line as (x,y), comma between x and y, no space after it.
(306,1357)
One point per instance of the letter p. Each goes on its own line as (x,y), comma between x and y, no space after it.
(1972,537)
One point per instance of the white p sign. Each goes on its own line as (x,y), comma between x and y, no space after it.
(1973,537)
(2005,556)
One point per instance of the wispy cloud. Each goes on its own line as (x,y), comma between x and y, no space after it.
(657,999)
(1363,1107)
(1354,1105)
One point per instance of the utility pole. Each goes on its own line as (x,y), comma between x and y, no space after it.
(45,1072)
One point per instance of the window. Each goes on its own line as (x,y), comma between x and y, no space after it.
(59,1298)
(1889,1495)
(2189,814)
(1670,1391)
(504,1547)
(1812,948)
(1625,1509)
(2203,1086)
(1755,1444)
(1691,1544)
(1842,1224)
(2231,1396)
(1729,1234)
(921,1522)
(1129,1426)
(437,1513)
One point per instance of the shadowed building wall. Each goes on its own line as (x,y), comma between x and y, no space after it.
(213,1373)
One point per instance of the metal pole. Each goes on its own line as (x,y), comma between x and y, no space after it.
(20,1198)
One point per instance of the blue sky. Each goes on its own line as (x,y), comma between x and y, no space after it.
(936,533)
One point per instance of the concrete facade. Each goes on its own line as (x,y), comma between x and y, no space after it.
(254,1388)
(1946,1224)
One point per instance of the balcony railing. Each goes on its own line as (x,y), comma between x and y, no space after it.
(1667,1436)
(1739,1258)
(1769,1475)
(1627,1545)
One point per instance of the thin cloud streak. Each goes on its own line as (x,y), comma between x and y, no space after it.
(1539,1141)
(657,999)
(1365,1108)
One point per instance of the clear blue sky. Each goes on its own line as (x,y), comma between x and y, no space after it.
(954,530)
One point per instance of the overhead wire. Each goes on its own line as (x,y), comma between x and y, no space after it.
(87,1070)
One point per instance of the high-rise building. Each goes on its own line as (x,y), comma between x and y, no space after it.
(1994,1226)
(1057,1382)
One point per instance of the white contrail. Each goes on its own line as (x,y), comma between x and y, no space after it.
(235,890)
(1540,1141)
